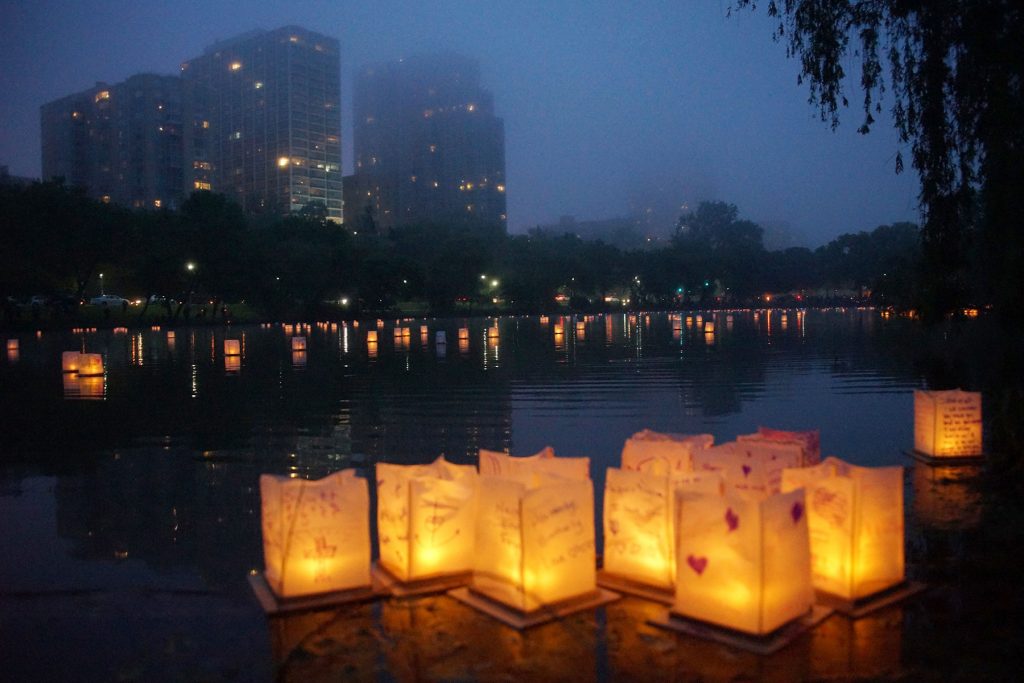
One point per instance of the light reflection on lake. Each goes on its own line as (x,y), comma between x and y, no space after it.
(136,492)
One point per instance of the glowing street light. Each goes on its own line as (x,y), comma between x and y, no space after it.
(190,267)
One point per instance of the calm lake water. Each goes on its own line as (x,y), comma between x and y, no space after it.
(130,503)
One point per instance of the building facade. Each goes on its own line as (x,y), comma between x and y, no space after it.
(428,145)
(273,104)
(121,142)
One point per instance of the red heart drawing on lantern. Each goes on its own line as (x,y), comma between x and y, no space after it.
(731,519)
(746,470)
(797,512)
(697,564)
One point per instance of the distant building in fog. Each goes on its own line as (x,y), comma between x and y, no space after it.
(7,179)
(428,145)
(121,142)
(624,233)
(274,103)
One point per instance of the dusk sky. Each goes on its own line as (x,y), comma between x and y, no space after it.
(606,105)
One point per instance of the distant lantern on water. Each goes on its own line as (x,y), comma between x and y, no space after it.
(424,330)
(709,327)
(232,347)
(559,329)
(464,333)
(12,345)
(426,517)
(90,365)
(316,534)
(543,320)
(947,424)
(742,563)
(492,331)
(70,360)
(855,520)
(298,343)
(170,335)
(371,336)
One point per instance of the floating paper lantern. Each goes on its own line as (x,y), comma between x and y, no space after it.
(639,525)
(559,329)
(492,331)
(808,441)
(316,534)
(426,519)
(742,563)
(544,462)
(534,541)
(232,347)
(750,467)
(170,335)
(406,332)
(371,336)
(90,365)
(543,320)
(69,361)
(709,327)
(663,454)
(855,520)
(464,333)
(947,423)
(689,321)
(12,345)
(298,343)
(380,323)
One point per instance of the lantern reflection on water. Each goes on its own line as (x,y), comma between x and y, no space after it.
(855,520)
(298,343)
(947,498)
(743,563)
(299,359)
(426,519)
(86,388)
(316,534)
(947,423)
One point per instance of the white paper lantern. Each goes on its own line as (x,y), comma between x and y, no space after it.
(69,361)
(663,454)
(855,518)
(809,441)
(750,467)
(316,534)
(426,519)
(742,563)
(947,423)
(232,347)
(535,540)
(90,364)
(543,462)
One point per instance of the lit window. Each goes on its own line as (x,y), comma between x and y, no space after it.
(235,66)
(201,185)
(102,95)
(206,124)
(157,203)
(258,84)
(282,162)
(470,107)
(105,199)
(501,188)
(75,114)
(294,39)
(433,148)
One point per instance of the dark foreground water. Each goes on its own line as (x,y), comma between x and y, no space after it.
(129,511)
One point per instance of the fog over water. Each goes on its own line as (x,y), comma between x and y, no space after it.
(610,108)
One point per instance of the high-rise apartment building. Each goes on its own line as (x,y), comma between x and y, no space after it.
(123,142)
(428,145)
(273,102)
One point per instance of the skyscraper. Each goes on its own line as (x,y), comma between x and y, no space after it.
(428,145)
(122,142)
(273,100)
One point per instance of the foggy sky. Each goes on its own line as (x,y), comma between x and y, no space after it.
(607,105)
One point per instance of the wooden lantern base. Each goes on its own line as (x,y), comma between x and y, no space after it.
(761,645)
(520,620)
(409,589)
(273,604)
(945,460)
(856,609)
(621,584)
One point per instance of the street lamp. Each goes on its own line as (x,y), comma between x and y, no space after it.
(494,283)
(101,284)
(188,266)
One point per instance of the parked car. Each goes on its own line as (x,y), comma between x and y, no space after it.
(108,300)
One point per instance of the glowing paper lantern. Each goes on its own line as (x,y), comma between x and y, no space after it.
(534,541)
(663,454)
(232,347)
(492,331)
(638,526)
(559,329)
(69,361)
(426,519)
(544,462)
(808,441)
(316,534)
(423,330)
(12,345)
(464,333)
(298,343)
(371,336)
(855,519)
(752,468)
(947,423)
(743,563)
(543,320)
(90,365)
(709,327)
